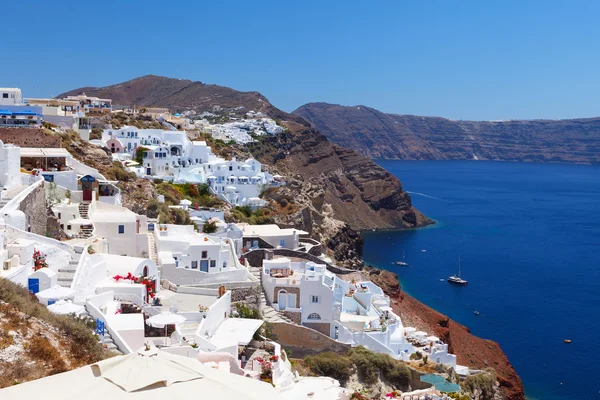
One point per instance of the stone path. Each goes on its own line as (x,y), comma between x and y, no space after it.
(152,247)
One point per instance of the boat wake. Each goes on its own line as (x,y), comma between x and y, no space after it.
(426,195)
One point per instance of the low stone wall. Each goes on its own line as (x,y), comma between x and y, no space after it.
(34,208)
(296,317)
(246,295)
(255,258)
(323,327)
(304,341)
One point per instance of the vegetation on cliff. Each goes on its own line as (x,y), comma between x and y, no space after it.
(35,343)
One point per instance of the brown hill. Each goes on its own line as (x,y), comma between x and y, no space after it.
(391,136)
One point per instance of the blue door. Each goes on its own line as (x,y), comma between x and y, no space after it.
(33,285)
(204,265)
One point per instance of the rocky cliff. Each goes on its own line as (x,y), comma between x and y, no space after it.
(471,351)
(391,136)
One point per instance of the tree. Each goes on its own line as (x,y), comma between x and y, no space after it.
(139,154)
(209,227)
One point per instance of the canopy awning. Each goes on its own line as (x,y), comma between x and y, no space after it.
(44,152)
(55,293)
(145,375)
(236,331)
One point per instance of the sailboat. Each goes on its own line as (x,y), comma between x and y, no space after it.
(456,278)
(402,263)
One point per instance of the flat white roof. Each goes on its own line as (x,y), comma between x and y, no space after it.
(235,331)
(268,230)
(44,152)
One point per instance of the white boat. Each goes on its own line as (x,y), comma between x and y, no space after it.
(402,263)
(456,278)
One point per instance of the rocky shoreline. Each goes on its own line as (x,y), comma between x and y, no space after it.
(471,350)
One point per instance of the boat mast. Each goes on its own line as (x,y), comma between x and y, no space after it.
(459,266)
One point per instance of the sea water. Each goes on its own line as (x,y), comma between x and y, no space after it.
(528,238)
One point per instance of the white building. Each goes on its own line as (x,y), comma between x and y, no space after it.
(170,154)
(123,231)
(357,313)
(10,175)
(191,258)
(10,97)
(270,236)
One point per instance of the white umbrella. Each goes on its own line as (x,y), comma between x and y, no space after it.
(164,319)
(432,338)
(421,333)
(66,307)
(185,202)
(55,293)
(144,375)
(410,329)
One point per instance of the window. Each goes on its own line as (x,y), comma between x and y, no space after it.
(230,168)
(204,254)
(5,95)
(314,299)
(194,264)
(224,264)
(68,227)
(213,263)
(121,228)
(314,316)
(59,215)
(282,243)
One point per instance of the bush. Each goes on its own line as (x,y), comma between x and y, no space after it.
(96,133)
(117,172)
(84,346)
(209,227)
(331,364)
(416,355)
(371,366)
(247,312)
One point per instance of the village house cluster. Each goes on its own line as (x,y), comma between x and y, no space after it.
(126,271)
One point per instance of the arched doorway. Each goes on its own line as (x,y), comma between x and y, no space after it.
(282,299)
(87,186)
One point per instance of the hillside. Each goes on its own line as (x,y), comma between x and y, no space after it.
(327,181)
(408,137)
(35,343)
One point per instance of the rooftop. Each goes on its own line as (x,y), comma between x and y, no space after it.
(268,230)
(44,152)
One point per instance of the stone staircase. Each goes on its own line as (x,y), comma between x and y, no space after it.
(109,343)
(83,210)
(152,247)
(268,312)
(188,329)
(67,273)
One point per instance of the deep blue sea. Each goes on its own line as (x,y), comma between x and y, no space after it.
(528,236)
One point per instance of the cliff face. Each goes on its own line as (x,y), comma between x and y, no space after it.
(471,351)
(391,136)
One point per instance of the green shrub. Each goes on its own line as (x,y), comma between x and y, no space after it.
(117,172)
(247,312)
(209,227)
(331,364)
(371,366)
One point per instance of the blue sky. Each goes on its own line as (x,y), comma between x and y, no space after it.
(456,59)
